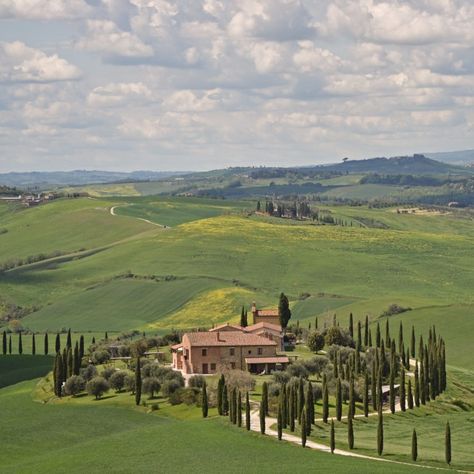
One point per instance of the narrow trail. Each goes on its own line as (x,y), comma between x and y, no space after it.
(112,213)
(291,438)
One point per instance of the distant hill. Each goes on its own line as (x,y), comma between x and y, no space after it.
(416,165)
(464,157)
(42,179)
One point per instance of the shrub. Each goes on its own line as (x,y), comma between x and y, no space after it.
(316,365)
(274,389)
(170,386)
(317,391)
(129,382)
(175,397)
(281,376)
(189,396)
(239,379)
(100,356)
(97,387)
(337,335)
(315,341)
(154,407)
(297,369)
(394,309)
(196,381)
(108,372)
(74,385)
(151,385)
(89,372)
(117,379)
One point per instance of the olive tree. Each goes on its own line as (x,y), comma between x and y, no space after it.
(97,386)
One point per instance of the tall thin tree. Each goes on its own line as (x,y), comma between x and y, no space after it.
(414,446)
(447,443)
(204,402)
(138,382)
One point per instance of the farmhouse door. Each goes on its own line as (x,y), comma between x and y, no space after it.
(205,369)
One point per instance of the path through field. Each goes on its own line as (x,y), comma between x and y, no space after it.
(112,212)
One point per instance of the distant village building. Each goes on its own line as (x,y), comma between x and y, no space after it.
(265,315)
(253,348)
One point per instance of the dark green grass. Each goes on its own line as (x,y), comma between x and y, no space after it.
(16,368)
(66,438)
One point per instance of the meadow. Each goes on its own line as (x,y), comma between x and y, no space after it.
(120,273)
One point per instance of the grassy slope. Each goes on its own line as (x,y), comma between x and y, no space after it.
(45,438)
(15,368)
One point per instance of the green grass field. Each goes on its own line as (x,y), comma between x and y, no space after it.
(212,260)
(73,437)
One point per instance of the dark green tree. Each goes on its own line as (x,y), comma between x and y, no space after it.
(4,343)
(138,382)
(309,406)
(380,433)
(402,391)
(239,409)
(338,400)
(291,408)
(57,345)
(332,437)
(400,340)
(447,444)
(325,403)
(300,399)
(373,390)
(303,428)
(392,388)
(68,340)
(265,397)
(280,422)
(76,361)
(81,347)
(351,398)
(414,446)
(410,395)
(204,402)
(20,344)
(243,318)
(10,344)
(225,400)
(351,326)
(220,388)
(262,418)
(366,331)
(247,411)
(350,431)
(366,394)
(378,336)
(33,344)
(413,341)
(46,344)
(284,311)
(360,342)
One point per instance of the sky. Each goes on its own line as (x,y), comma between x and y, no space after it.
(202,84)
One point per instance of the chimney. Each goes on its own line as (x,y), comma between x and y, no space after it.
(219,336)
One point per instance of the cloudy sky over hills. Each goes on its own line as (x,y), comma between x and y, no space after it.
(155,84)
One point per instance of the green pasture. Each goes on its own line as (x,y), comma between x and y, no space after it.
(17,368)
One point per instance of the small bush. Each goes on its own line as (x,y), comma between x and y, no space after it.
(170,386)
(117,379)
(196,381)
(74,385)
(97,387)
(108,372)
(154,407)
(89,372)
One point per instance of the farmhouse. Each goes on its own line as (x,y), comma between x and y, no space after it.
(228,347)
(265,315)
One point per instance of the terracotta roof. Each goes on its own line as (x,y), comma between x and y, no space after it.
(226,325)
(227,338)
(267,312)
(177,346)
(267,360)
(263,325)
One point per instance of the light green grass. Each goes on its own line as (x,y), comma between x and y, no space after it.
(97,438)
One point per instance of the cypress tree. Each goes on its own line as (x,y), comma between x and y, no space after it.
(359,334)
(380,433)
(68,340)
(138,382)
(300,399)
(262,418)
(309,406)
(350,431)
(20,344)
(58,343)
(387,333)
(291,406)
(93,339)
(46,344)
(351,326)
(107,336)
(351,398)
(59,379)
(284,405)
(243,318)
(234,406)
(370,337)
(392,388)
(65,361)
(325,403)
(70,363)
(230,395)
(10,344)
(413,342)
(76,360)
(379,390)
(265,397)
(366,394)
(422,384)
(410,395)
(225,400)
(366,331)
(4,343)
(447,443)
(247,411)
(280,422)
(338,400)
(373,391)
(33,344)
(414,446)
(303,428)
(81,347)
(332,437)
(54,374)
(220,386)
(316,323)
(417,386)
(402,391)
(400,339)
(204,402)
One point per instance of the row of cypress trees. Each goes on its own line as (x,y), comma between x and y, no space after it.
(7,343)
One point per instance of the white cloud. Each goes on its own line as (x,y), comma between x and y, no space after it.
(105,37)
(20,63)
(44,9)
(114,94)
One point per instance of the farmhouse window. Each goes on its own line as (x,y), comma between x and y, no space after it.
(204,352)
(232,365)
(260,351)
(232,351)
(213,367)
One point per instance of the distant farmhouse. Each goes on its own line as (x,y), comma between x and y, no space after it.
(253,348)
